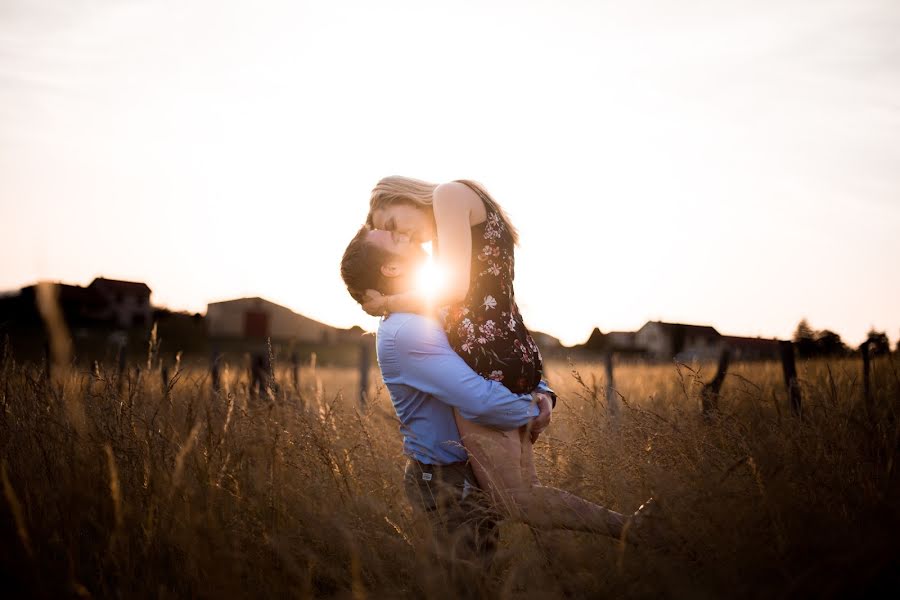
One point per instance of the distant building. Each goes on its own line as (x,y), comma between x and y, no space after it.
(125,303)
(621,340)
(667,341)
(257,318)
(122,304)
(678,340)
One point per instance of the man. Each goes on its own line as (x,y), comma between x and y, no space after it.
(427,380)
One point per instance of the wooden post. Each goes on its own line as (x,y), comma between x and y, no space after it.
(364,362)
(152,347)
(7,352)
(164,375)
(867,391)
(120,368)
(271,380)
(709,395)
(216,377)
(612,402)
(789,368)
(259,374)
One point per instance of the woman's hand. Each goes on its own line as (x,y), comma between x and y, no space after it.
(375,303)
(538,424)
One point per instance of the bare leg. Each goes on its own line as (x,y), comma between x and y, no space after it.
(503,462)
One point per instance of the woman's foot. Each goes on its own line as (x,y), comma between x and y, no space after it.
(647,510)
(643,527)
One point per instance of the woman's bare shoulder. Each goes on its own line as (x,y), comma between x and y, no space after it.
(457,194)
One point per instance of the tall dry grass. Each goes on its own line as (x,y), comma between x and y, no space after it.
(129,489)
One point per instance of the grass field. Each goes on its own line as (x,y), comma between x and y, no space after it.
(126,489)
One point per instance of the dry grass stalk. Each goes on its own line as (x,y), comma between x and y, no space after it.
(15,508)
(115,488)
(186,448)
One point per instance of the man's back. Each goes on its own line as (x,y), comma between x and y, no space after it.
(427,379)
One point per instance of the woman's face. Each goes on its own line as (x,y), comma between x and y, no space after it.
(405,221)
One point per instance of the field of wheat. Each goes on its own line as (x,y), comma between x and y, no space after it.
(121,487)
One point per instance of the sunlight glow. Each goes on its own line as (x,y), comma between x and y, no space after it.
(431,278)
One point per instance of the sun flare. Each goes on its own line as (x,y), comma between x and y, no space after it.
(431,277)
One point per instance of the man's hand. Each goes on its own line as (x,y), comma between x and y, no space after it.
(538,424)
(375,303)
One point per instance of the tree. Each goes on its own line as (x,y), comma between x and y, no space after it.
(878,343)
(824,342)
(805,339)
(828,343)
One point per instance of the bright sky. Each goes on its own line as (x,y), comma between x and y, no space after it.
(727,163)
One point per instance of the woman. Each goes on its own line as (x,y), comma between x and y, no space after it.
(474,242)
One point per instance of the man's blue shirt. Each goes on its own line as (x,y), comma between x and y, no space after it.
(427,379)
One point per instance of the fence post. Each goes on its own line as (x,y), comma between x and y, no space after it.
(271,379)
(259,374)
(364,362)
(789,367)
(164,375)
(152,347)
(120,368)
(612,402)
(867,391)
(7,352)
(215,358)
(709,395)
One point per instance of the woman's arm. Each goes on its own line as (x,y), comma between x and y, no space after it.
(454,205)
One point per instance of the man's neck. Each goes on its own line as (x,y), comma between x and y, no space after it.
(400,285)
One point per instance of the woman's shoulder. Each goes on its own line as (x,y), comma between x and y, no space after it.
(459,195)
(455,191)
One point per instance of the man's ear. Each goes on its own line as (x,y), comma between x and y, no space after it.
(391,269)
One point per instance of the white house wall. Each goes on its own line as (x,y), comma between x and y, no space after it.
(652,337)
(226,319)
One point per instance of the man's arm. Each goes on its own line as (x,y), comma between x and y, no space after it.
(430,365)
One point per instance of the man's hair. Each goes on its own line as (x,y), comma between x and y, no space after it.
(361,265)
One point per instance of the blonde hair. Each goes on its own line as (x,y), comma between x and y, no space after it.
(406,190)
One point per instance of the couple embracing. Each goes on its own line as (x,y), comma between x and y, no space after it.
(463,372)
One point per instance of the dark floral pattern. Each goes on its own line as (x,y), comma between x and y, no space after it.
(486,329)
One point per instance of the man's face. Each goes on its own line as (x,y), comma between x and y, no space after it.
(409,255)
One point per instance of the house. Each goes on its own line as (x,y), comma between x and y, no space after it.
(123,304)
(614,341)
(621,340)
(678,340)
(665,341)
(258,318)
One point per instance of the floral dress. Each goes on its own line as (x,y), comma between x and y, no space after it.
(486,329)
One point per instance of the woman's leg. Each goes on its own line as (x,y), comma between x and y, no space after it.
(504,465)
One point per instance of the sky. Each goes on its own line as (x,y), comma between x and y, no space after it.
(732,163)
